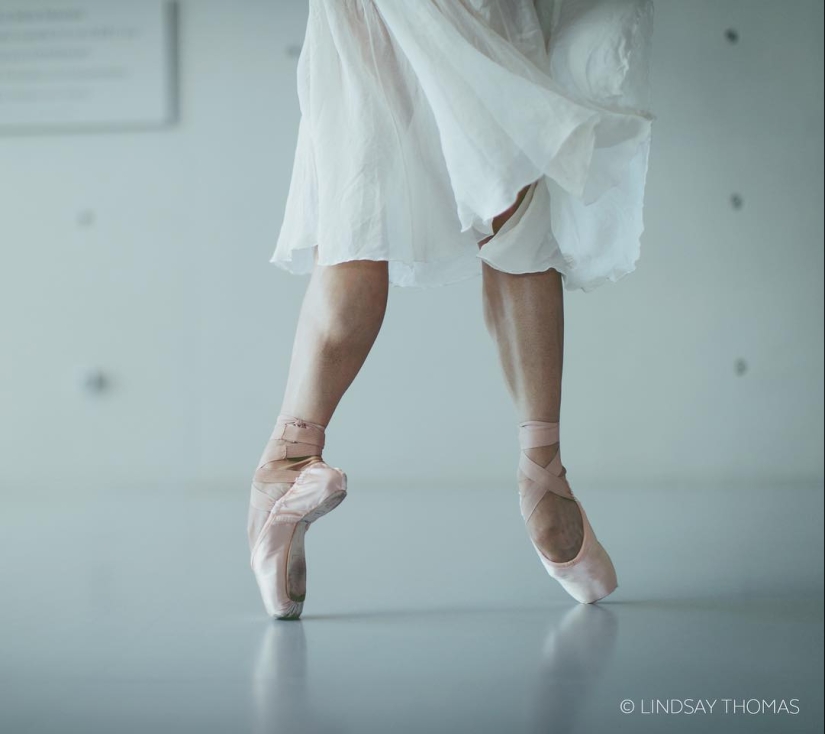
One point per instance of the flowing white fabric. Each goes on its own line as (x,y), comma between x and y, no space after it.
(423,119)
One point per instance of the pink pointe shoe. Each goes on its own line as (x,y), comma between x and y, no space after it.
(589,576)
(284,502)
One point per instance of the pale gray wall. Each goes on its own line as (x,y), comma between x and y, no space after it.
(169,290)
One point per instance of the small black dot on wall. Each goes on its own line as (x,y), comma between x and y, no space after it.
(740,367)
(85,218)
(732,35)
(736,201)
(95,382)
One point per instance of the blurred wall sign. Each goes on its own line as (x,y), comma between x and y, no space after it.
(86,64)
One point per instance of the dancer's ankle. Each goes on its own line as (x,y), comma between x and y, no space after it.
(295,444)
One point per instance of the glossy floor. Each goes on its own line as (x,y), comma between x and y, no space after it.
(427,611)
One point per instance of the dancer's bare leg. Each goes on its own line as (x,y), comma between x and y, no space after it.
(525,316)
(340,318)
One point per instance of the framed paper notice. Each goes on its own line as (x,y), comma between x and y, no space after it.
(87,64)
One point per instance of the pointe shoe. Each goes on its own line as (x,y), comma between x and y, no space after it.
(284,501)
(589,576)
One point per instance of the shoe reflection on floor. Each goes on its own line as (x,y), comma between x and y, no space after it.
(575,652)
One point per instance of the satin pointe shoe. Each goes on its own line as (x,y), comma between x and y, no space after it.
(285,500)
(589,576)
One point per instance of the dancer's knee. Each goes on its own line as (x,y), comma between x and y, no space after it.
(350,298)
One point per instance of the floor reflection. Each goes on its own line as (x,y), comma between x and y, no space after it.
(279,681)
(288,696)
(280,687)
(576,651)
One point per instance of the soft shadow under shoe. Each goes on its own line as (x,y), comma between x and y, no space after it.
(292,487)
(590,575)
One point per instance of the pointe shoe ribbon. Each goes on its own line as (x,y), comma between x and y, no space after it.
(535,434)
(304,438)
(589,576)
(291,437)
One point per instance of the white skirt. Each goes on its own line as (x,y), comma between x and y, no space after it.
(422,120)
